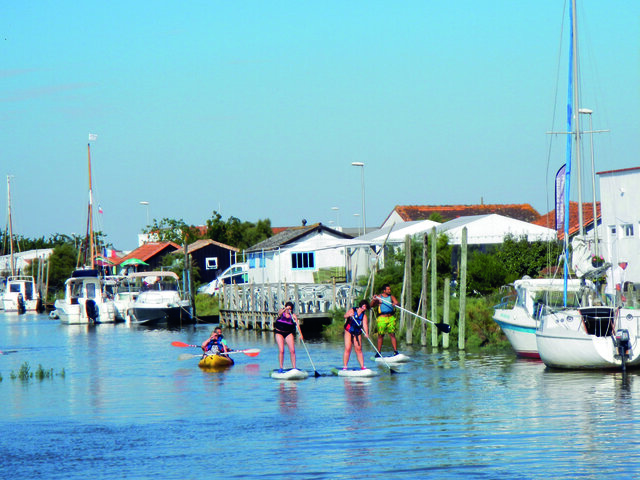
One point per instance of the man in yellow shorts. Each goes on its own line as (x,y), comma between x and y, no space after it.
(386,321)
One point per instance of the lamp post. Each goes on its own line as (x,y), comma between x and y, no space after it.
(337,210)
(364,215)
(146,204)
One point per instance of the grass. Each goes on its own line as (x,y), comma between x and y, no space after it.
(207,305)
(25,373)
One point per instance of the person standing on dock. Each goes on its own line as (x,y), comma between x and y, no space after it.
(285,331)
(386,321)
(356,323)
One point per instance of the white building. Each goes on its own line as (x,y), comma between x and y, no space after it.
(492,229)
(22,260)
(620,203)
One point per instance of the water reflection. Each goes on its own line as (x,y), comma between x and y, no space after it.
(288,397)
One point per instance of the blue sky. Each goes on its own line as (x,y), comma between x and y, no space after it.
(257,108)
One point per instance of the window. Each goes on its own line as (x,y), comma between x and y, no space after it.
(257,260)
(303,261)
(211,263)
(612,229)
(628,230)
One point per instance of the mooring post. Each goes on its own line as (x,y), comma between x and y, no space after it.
(408,321)
(434,288)
(445,311)
(423,295)
(463,291)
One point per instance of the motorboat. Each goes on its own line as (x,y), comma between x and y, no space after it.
(21,295)
(85,300)
(159,300)
(519,314)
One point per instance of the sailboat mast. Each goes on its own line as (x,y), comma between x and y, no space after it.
(576,113)
(13,268)
(90,209)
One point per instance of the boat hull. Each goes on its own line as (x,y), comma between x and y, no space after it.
(150,315)
(76,314)
(520,330)
(567,341)
(215,362)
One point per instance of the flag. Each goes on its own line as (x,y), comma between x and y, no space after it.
(93,137)
(560,203)
(100,210)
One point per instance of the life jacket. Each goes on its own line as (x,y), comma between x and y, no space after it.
(354,322)
(386,306)
(215,346)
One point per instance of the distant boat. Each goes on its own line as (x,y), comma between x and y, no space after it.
(21,293)
(160,300)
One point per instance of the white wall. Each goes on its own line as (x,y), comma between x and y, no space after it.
(620,204)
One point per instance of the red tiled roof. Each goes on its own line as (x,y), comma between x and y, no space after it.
(203,242)
(277,230)
(549,220)
(146,251)
(524,212)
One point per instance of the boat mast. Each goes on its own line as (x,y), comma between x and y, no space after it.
(576,113)
(11,259)
(90,210)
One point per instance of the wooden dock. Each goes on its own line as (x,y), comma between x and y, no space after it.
(255,306)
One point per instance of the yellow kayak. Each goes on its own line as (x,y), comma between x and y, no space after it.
(215,362)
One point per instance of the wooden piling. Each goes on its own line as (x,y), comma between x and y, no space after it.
(434,288)
(445,312)
(463,291)
(407,321)
(423,295)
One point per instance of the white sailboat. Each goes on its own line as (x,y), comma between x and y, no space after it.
(86,300)
(21,293)
(591,337)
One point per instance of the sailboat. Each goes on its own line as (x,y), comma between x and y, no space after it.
(598,336)
(85,299)
(21,293)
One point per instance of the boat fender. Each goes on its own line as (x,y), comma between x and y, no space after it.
(92,310)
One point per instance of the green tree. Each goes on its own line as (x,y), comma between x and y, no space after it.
(237,233)
(172,230)
(62,263)
(521,257)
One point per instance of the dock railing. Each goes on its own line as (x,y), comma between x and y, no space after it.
(256,305)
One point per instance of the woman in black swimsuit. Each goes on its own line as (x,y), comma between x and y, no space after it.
(285,329)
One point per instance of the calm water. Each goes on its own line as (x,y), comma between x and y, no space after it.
(128,408)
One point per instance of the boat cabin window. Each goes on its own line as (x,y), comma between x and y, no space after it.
(14,288)
(91,290)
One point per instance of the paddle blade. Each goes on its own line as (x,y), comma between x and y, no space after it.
(180,344)
(187,356)
(251,352)
(443,327)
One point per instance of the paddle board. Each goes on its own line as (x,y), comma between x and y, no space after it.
(399,358)
(354,372)
(291,374)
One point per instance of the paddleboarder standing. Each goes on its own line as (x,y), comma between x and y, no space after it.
(285,329)
(386,321)
(356,323)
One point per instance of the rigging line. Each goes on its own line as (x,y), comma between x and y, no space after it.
(551,138)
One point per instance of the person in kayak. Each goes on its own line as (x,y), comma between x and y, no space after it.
(356,323)
(221,338)
(386,321)
(285,331)
(213,345)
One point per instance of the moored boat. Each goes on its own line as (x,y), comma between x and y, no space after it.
(85,301)
(21,295)
(160,300)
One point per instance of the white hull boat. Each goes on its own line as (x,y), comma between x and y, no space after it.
(533,297)
(590,338)
(159,300)
(21,295)
(85,301)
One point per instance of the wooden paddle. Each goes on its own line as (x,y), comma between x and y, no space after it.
(391,370)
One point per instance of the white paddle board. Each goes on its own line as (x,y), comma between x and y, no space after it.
(354,372)
(291,374)
(399,358)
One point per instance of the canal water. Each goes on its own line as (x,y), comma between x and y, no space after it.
(127,407)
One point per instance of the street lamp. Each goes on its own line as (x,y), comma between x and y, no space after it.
(364,215)
(146,204)
(337,210)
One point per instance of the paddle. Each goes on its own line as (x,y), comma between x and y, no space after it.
(315,372)
(443,327)
(250,352)
(391,370)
